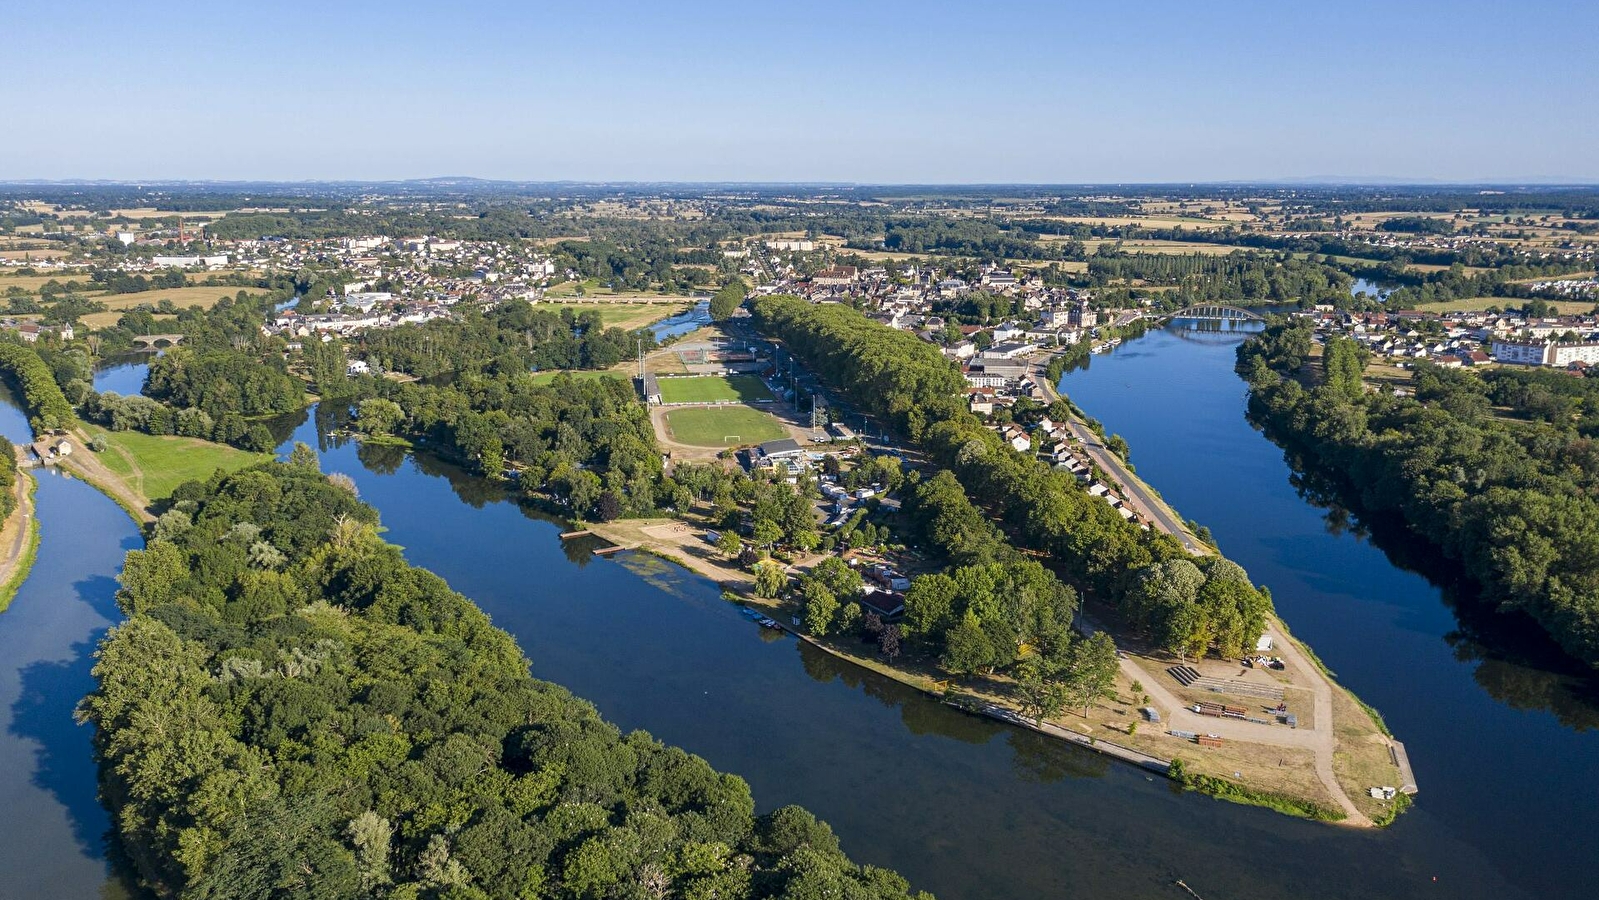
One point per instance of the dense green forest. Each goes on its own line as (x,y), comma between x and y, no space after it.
(292,710)
(36,383)
(587,443)
(219,383)
(8,479)
(514,336)
(1499,472)
(892,374)
(1240,278)
(209,394)
(1145,574)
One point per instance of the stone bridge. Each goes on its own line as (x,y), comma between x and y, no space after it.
(156,341)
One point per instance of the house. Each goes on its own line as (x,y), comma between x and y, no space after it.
(836,276)
(980,400)
(1008,350)
(888,605)
(785,457)
(962,350)
(887,577)
(1014,435)
(357,367)
(651,389)
(49,450)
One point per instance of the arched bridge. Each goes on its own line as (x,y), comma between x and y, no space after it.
(1216,312)
(156,341)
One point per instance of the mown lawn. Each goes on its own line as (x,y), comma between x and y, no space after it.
(713,389)
(155,466)
(722,426)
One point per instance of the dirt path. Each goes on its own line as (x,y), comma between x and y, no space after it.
(1320,740)
(1322,688)
(84,464)
(14,537)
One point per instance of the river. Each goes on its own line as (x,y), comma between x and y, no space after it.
(963,807)
(691,319)
(1502,732)
(52,837)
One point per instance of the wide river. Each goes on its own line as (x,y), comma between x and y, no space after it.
(963,807)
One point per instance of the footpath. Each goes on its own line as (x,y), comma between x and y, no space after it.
(19,533)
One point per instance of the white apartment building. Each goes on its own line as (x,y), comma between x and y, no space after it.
(1546,353)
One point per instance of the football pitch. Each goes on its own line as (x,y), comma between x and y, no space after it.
(713,389)
(722,426)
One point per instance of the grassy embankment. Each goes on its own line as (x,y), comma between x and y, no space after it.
(30,550)
(153,466)
(1224,789)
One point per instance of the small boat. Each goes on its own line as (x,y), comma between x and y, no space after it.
(768,623)
(751,613)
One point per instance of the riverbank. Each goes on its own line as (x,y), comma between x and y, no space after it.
(1303,771)
(19,539)
(83,464)
(1352,749)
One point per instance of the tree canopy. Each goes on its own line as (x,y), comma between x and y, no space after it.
(292,710)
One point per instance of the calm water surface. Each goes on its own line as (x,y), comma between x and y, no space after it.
(684,322)
(963,807)
(52,834)
(123,374)
(1502,734)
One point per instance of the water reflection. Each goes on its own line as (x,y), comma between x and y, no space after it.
(1519,664)
(1497,722)
(906,781)
(50,690)
(53,842)
(684,322)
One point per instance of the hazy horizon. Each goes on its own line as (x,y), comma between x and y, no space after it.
(891,93)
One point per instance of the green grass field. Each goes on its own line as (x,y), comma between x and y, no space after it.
(155,466)
(578,374)
(713,389)
(722,426)
(1476,304)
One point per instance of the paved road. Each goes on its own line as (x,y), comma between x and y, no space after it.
(1138,494)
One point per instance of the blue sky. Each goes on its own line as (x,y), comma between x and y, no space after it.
(819,91)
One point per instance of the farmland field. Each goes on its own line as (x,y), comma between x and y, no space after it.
(205,296)
(1477,304)
(722,426)
(32,283)
(713,389)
